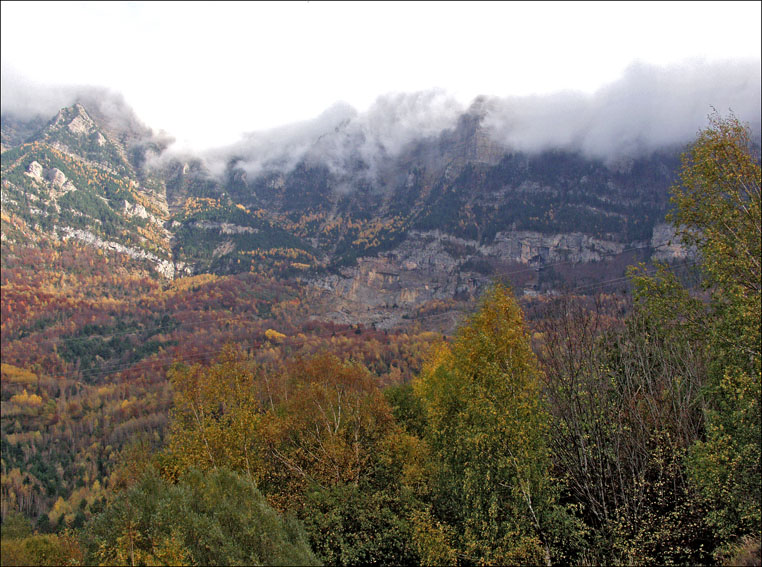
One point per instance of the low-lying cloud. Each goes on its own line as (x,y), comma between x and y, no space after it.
(26,99)
(650,107)
(343,139)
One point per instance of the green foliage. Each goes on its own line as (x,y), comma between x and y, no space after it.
(352,525)
(488,433)
(16,526)
(213,518)
(76,203)
(407,408)
(46,549)
(727,465)
(718,206)
(718,212)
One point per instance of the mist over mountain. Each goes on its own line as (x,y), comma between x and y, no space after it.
(31,105)
(341,135)
(648,108)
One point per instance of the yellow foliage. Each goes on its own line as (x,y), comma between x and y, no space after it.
(274,336)
(26,399)
(16,375)
(105,391)
(60,508)
(433,541)
(184,284)
(196,204)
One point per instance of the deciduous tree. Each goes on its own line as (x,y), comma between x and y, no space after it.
(718,213)
(488,431)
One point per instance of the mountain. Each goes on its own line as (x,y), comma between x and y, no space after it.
(395,235)
(74,180)
(120,259)
(385,234)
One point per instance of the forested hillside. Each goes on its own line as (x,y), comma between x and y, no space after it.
(177,387)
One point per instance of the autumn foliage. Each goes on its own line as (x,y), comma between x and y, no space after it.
(213,419)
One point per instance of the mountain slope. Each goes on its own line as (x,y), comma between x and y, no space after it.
(452,207)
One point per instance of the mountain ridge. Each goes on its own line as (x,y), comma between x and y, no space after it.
(325,222)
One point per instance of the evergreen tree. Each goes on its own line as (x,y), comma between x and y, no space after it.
(212,518)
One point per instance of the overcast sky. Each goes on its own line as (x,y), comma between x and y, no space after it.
(208,72)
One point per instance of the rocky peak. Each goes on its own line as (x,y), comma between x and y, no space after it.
(82,125)
(470,141)
(75,119)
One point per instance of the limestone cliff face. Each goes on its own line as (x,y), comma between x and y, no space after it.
(667,245)
(165,267)
(432,266)
(528,246)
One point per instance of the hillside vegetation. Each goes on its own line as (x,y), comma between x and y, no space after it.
(215,418)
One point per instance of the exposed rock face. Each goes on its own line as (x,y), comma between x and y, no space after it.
(35,172)
(385,289)
(667,245)
(526,246)
(472,143)
(165,267)
(76,120)
(430,266)
(225,248)
(225,227)
(56,177)
(80,125)
(137,210)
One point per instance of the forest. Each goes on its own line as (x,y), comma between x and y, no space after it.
(592,429)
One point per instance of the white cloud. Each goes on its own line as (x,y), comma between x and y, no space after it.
(237,67)
(341,135)
(649,107)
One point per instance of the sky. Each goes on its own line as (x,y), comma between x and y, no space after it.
(208,73)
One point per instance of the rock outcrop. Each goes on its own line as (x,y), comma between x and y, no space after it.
(163,266)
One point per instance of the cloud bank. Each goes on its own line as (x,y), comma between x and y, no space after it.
(25,99)
(343,139)
(650,107)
